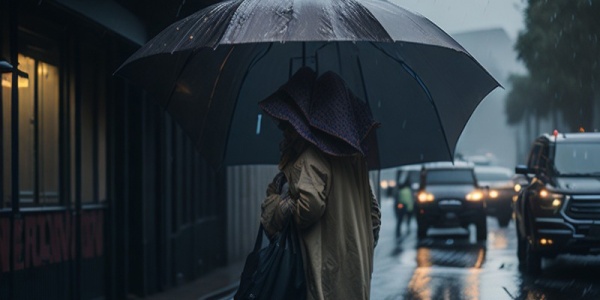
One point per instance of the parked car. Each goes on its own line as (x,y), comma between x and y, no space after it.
(499,190)
(449,196)
(559,211)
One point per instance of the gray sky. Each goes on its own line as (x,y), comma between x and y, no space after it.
(455,16)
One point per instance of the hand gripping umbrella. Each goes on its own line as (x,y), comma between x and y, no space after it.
(211,69)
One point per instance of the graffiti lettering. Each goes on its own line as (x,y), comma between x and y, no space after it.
(48,238)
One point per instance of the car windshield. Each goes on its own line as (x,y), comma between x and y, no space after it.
(462,176)
(577,159)
(492,175)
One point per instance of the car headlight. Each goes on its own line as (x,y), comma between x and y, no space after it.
(475,196)
(518,187)
(384,184)
(550,200)
(425,197)
(493,194)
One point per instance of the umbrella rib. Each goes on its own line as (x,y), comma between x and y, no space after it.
(364,85)
(250,67)
(187,59)
(415,76)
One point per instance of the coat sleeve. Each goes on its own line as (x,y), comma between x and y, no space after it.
(309,180)
(310,189)
(375,217)
(275,209)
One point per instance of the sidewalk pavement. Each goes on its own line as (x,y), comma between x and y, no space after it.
(219,284)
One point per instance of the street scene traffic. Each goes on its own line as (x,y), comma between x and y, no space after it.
(548,250)
(452,264)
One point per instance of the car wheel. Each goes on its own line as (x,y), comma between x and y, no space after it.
(422,230)
(533,259)
(482,230)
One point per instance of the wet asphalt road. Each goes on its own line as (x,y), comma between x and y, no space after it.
(449,264)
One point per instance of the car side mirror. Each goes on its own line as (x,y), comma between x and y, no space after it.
(522,169)
(526,172)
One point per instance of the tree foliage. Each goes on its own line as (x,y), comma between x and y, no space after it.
(561,49)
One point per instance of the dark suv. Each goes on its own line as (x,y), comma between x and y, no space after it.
(449,196)
(559,211)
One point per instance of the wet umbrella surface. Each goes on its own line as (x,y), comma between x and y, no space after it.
(211,69)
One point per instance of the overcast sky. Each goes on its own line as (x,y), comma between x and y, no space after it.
(456,16)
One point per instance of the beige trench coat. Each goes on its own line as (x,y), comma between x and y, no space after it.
(338,218)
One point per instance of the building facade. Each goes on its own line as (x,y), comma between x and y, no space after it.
(102,194)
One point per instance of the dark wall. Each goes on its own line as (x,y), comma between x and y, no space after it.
(163,219)
(175,201)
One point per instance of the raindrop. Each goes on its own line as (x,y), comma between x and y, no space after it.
(177,28)
(404,124)
(191,37)
(258,123)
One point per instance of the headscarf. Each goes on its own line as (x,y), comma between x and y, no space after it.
(323,111)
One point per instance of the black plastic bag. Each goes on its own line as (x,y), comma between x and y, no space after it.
(275,271)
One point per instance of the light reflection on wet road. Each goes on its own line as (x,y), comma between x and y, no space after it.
(450,264)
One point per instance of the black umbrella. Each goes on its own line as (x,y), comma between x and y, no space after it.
(211,69)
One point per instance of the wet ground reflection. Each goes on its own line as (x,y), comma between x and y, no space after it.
(448,267)
(451,264)
(451,253)
(565,277)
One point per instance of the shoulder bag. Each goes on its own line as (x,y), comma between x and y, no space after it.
(275,271)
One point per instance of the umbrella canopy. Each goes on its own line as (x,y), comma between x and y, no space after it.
(211,69)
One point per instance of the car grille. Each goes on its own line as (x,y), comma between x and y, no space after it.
(450,205)
(584,207)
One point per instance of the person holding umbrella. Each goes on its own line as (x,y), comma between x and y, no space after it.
(324,183)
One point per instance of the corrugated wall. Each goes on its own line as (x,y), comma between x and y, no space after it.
(246,188)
